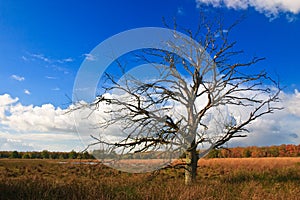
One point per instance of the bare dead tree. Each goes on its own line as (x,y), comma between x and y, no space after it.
(194,100)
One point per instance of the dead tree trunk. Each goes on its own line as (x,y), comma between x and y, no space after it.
(191,165)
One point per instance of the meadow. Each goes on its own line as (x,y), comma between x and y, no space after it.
(221,178)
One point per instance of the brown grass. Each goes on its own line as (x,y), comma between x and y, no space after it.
(231,178)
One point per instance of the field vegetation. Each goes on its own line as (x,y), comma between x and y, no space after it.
(222,178)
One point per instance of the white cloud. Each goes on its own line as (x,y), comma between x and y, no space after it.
(7,144)
(17,77)
(6,101)
(27,92)
(24,58)
(271,8)
(291,18)
(68,59)
(39,141)
(89,57)
(55,89)
(59,69)
(282,127)
(45,126)
(41,57)
(292,103)
(50,77)
(49,127)
(47,59)
(65,60)
(45,118)
(180,11)
(37,127)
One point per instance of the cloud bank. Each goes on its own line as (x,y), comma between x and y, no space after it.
(27,128)
(271,8)
(36,127)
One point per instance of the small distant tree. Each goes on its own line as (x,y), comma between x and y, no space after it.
(26,155)
(73,154)
(15,154)
(191,103)
(86,155)
(273,151)
(45,154)
(215,153)
(247,153)
(54,155)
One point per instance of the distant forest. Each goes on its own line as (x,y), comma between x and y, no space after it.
(283,150)
(46,155)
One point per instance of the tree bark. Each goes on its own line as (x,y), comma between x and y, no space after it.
(191,166)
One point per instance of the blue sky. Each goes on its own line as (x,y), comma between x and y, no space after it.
(43,43)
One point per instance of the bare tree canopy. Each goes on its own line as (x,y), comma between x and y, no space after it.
(201,96)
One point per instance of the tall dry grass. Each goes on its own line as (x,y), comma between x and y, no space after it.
(260,178)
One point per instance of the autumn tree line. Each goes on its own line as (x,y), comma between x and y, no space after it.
(283,150)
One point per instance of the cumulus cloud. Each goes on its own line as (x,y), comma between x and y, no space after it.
(17,77)
(292,103)
(38,126)
(282,127)
(6,101)
(271,8)
(45,118)
(49,127)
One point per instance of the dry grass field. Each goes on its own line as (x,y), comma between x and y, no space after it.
(230,178)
